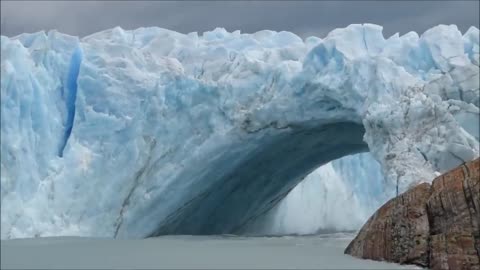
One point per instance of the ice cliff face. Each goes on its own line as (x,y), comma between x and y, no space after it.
(145,132)
(338,196)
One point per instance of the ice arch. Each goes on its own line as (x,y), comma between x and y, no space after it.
(339,196)
(273,166)
(178,133)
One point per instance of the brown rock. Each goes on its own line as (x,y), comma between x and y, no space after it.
(454,219)
(435,226)
(398,231)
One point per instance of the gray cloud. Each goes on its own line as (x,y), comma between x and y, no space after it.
(301,17)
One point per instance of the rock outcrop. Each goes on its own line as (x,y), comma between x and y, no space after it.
(454,217)
(435,226)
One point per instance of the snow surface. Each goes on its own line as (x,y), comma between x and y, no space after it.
(145,132)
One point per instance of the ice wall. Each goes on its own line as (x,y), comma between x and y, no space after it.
(173,133)
(339,196)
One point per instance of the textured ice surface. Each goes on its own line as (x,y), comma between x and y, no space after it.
(339,196)
(145,132)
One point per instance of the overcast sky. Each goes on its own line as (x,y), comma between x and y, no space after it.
(301,17)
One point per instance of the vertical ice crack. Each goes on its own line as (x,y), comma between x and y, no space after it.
(365,39)
(71,96)
(136,181)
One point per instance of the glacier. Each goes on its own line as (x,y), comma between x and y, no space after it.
(137,133)
(339,196)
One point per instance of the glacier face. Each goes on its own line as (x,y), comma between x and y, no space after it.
(339,196)
(145,132)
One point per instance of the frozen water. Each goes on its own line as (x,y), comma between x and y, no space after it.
(147,132)
(339,196)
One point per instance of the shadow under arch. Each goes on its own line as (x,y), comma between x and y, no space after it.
(262,178)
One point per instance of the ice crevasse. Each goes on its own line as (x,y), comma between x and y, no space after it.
(146,132)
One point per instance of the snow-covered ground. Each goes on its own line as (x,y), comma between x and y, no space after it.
(145,132)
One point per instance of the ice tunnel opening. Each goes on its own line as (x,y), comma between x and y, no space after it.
(261,179)
(336,197)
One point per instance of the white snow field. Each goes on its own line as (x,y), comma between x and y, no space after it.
(130,134)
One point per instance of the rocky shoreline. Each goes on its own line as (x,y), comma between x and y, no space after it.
(435,226)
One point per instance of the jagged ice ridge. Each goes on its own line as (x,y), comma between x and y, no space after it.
(146,132)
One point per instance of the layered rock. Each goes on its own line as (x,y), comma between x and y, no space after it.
(436,226)
(454,215)
(398,231)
